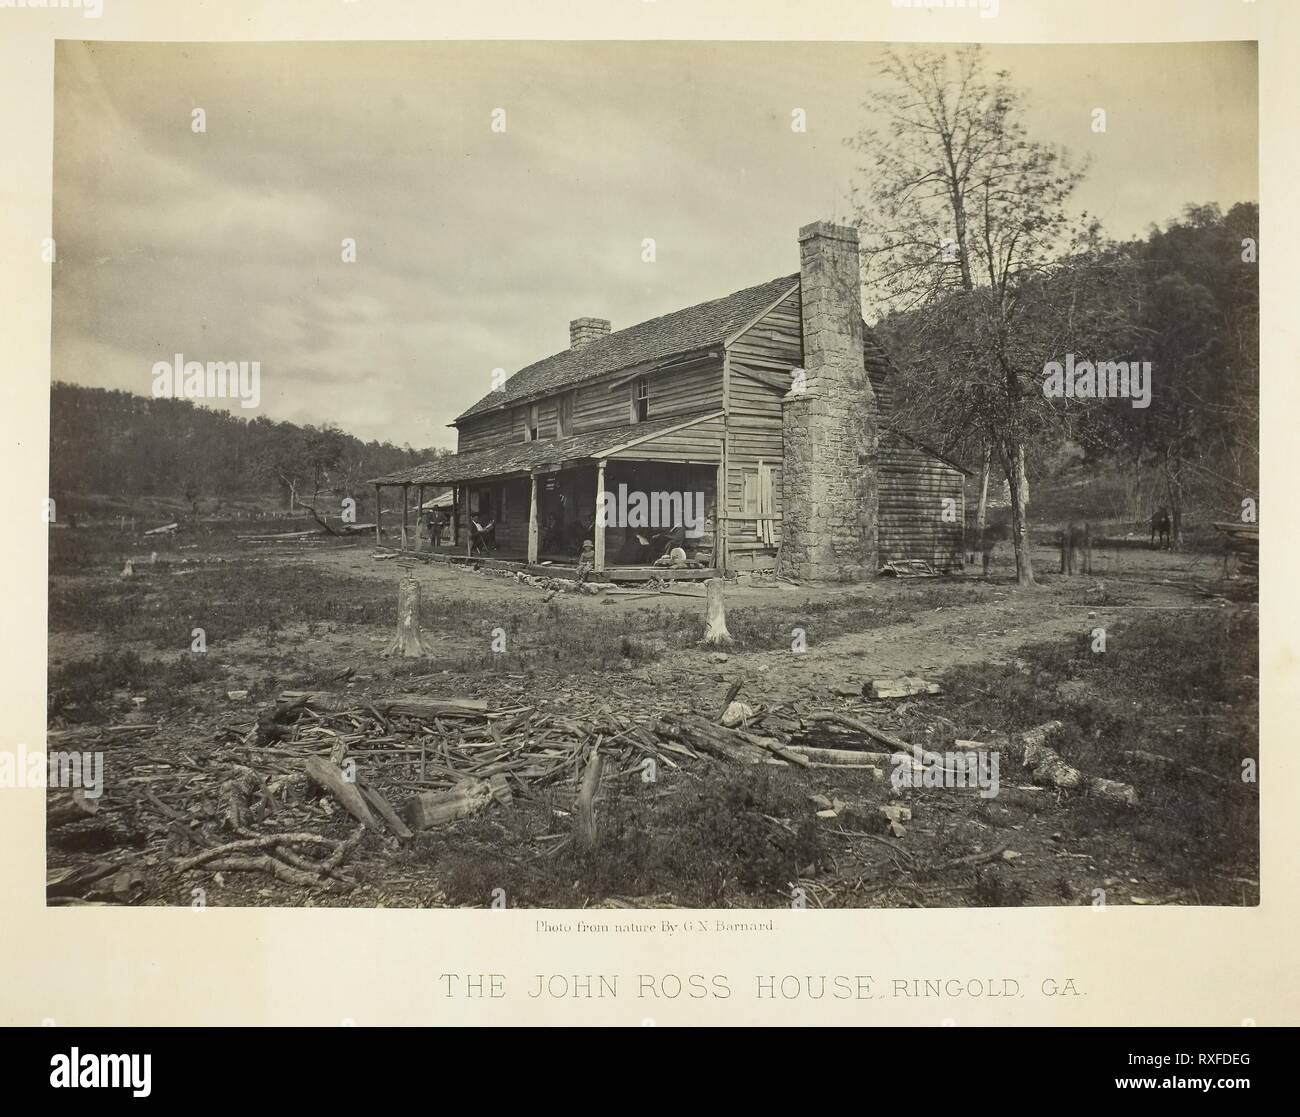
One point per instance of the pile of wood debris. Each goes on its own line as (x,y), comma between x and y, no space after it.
(295,793)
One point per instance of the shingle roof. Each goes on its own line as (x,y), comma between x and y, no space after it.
(679,332)
(522,457)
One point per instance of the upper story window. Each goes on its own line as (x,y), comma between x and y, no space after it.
(530,422)
(640,400)
(564,415)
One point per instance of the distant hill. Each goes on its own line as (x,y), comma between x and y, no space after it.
(125,446)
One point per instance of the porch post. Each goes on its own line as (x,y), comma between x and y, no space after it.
(720,520)
(600,516)
(532,518)
(378,516)
(419,512)
(406,491)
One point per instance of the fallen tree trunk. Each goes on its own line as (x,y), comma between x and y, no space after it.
(705,737)
(329,777)
(74,807)
(841,757)
(434,808)
(401,705)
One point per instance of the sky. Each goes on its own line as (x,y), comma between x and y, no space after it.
(475,247)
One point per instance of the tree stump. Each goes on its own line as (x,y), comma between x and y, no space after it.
(407,641)
(587,798)
(715,618)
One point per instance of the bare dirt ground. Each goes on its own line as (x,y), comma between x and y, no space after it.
(1176,681)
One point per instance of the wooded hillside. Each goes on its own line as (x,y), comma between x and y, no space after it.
(119,444)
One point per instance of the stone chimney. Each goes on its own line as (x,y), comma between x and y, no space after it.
(829,429)
(583,331)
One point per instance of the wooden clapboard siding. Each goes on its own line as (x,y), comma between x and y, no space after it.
(680,393)
(547,413)
(882,385)
(774,342)
(772,345)
(881,373)
(595,406)
(749,397)
(603,403)
(699,442)
(914,485)
(486,430)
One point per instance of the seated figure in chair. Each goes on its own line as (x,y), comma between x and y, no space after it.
(482,537)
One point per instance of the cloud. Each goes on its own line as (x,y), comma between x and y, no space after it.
(475,248)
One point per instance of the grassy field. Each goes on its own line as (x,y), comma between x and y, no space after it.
(1178,679)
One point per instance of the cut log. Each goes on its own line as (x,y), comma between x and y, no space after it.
(1041,734)
(74,881)
(737,714)
(1113,790)
(435,808)
(841,757)
(385,810)
(777,749)
(1046,764)
(501,789)
(904,687)
(705,737)
(401,705)
(327,776)
(406,641)
(715,617)
(587,798)
(70,808)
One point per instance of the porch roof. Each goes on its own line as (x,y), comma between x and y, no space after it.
(543,456)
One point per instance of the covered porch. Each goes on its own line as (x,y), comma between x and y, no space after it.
(624,493)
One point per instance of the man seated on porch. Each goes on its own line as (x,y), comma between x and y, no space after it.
(665,541)
(482,537)
(636,549)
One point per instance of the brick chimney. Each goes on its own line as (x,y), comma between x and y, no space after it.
(583,331)
(829,430)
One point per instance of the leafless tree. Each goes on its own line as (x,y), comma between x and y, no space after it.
(963,213)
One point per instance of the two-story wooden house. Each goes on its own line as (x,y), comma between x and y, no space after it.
(758,422)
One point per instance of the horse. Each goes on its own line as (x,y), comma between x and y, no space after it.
(1161,525)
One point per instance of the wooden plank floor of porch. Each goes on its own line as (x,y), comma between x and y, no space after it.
(555,566)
